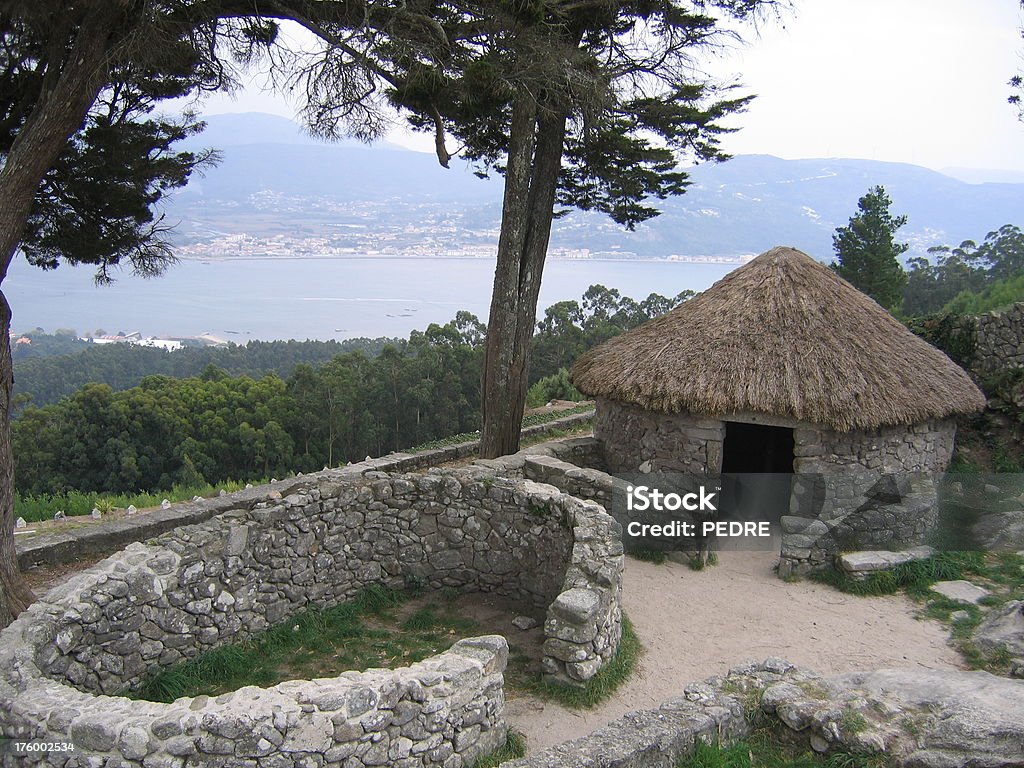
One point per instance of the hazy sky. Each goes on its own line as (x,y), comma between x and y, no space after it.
(917,81)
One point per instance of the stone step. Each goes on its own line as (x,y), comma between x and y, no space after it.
(862,564)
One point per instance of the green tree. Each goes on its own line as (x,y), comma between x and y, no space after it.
(586,104)
(867,253)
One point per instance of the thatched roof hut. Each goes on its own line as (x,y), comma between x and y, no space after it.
(785,336)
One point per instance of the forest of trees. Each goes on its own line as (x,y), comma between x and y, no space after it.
(213,426)
(967,279)
(51,367)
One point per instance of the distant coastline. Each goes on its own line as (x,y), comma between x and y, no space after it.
(672,259)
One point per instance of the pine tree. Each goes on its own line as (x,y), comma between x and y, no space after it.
(866,252)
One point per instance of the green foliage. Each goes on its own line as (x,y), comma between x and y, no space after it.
(766,747)
(42,507)
(969,279)
(915,577)
(168,431)
(998,295)
(513,748)
(656,556)
(949,332)
(555,387)
(37,344)
(867,254)
(570,328)
(341,638)
(52,367)
(602,685)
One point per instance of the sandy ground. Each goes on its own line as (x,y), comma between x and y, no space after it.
(697,624)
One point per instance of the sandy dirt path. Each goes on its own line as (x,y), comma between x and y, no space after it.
(697,624)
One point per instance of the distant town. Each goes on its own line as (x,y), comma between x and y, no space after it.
(245,246)
(19,339)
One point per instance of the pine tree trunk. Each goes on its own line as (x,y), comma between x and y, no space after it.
(58,114)
(531,179)
(15,596)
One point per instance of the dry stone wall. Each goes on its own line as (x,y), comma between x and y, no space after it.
(152,605)
(999,341)
(865,489)
(636,440)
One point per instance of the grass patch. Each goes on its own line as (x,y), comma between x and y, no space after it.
(75,503)
(513,748)
(316,643)
(914,577)
(766,748)
(602,685)
(656,556)
(528,421)
(1002,573)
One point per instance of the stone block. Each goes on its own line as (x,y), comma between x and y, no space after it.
(960,591)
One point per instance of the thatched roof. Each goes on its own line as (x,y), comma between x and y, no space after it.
(782,335)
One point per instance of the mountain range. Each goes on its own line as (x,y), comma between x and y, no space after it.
(273,181)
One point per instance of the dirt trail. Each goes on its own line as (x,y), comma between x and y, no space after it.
(697,624)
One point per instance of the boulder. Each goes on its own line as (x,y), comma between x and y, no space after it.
(920,718)
(1002,630)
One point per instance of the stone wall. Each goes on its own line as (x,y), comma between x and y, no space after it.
(865,489)
(636,440)
(336,533)
(999,341)
(90,540)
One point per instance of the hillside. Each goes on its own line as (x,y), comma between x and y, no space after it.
(276,182)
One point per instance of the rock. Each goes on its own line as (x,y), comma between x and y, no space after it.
(197,498)
(956,616)
(961,591)
(524,622)
(959,718)
(880,560)
(1000,531)
(165,504)
(577,605)
(20,523)
(95,514)
(1002,630)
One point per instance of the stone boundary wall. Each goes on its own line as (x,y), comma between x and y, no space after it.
(998,341)
(63,546)
(219,581)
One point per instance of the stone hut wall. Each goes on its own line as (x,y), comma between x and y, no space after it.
(636,440)
(851,490)
(187,591)
(865,489)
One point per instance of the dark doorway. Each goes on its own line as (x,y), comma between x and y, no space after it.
(757,469)
(757,448)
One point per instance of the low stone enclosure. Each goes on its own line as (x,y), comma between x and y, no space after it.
(65,660)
